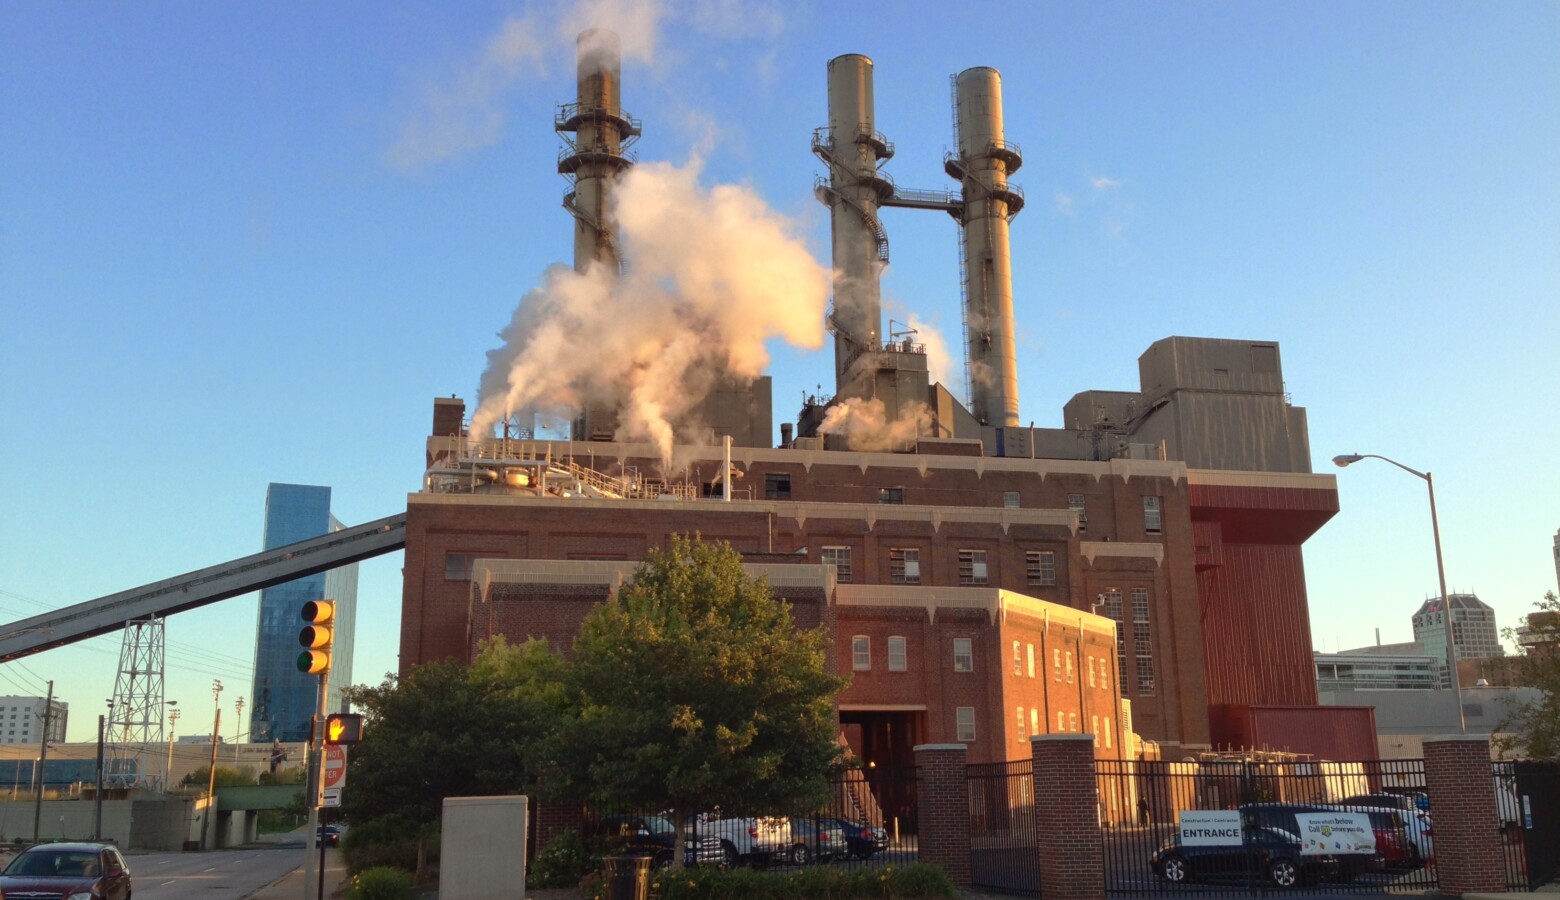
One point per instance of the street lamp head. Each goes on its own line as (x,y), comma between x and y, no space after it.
(1346,458)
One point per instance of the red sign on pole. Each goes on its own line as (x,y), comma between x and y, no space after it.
(335,775)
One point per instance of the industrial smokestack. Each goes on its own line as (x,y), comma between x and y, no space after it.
(985,160)
(596,154)
(851,147)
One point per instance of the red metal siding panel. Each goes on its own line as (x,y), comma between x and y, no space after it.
(1341,733)
(1257,629)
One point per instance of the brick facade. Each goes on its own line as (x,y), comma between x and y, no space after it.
(1468,852)
(1072,863)
(943,798)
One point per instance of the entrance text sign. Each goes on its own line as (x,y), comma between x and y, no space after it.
(1210,827)
(1332,833)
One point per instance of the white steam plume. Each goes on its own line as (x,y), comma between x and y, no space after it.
(939,362)
(865,425)
(713,274)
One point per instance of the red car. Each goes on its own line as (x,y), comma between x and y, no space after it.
(68,871)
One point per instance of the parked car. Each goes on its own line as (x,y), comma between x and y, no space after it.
(1272,853)
(1416,821)
(861,840)
(755,841)
(653,836)
(815,840)
(1393,844)
(331,834)
(1282,817)
(68,870)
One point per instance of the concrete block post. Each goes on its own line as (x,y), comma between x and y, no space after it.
(1468,852)
(943,807)
(1072,855)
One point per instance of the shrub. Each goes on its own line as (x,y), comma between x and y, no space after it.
(815,883)
(562,863)
(389,841)
(381,883)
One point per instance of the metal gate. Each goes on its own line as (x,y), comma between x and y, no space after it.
(1528,795)
(1003,847)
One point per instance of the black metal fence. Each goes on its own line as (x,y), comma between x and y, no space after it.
(1003,838)
(1240,827)
(869,819)
(1527,798)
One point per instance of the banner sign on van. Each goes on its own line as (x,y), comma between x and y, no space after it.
(1210,827)
(1332,833)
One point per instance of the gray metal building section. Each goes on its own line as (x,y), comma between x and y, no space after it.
(201,587)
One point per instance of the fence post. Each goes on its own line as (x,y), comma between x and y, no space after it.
(943,807)
(1067,820)
(1459,780)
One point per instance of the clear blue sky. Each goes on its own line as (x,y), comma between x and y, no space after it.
(250,244)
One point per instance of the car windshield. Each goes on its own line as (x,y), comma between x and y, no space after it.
(57,863)
(658,825)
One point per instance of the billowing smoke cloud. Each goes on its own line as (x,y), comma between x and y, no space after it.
(939,362)
(865,425)
(712,275)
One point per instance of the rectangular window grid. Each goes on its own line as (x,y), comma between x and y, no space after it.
(904,565)
(777,486)
(1040,567)
(1075,503)
(1114,611)
(896,654)
(893,496)
(1018,659)
(839,558)
(964,718)
(972,567)
(1010,499)
(1141,641)
(963,655)
(861,653)
(1151,518)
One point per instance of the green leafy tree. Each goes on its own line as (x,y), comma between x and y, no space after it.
(451,730)
(1531,728)
(226,777)
(693,687)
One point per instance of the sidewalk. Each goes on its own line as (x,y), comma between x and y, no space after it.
(290,886)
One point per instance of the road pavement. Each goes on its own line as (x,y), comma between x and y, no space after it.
(213,874)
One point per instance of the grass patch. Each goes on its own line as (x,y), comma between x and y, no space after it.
(820,882)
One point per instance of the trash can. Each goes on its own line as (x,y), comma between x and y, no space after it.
(627,877)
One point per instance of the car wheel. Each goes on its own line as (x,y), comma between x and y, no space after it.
(662,860)
(800,856)
(1173,869)
(728,855)
(1283,873)
(865,854)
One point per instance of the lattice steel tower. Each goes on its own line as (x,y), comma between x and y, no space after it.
(135,723)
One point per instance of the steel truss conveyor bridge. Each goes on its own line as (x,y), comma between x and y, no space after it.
(202,587)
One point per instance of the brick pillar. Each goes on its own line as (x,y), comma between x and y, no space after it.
(1468,853)
(943,807)
(1072,855)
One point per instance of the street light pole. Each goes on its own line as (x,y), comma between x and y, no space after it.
(1440,574)
(173,724)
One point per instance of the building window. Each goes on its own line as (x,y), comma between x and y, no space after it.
(1021,735)
(893,496)
(457,566)
(1072,722)
(1029,654)
(1018,659)
(904,565)
(972,567)
(1151,517)
(1113,611)
(1061,721)
(1091,671)
(839,558)
(1075,503)
(1056,664)
(964,718)
(1010,499)
(1069,667)
(861,653)
(1034,721)
(1040,567)
(777,486)
(896,654)
(1094,729)
(963,655)
(1107,732)
(1141,642)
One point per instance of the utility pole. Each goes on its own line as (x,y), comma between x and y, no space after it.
(316,778)
(211,776)
(173,722)
(43,756)
(97,796)
(238,728)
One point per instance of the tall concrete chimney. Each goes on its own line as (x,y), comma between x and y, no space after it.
(852,147)
(597,153)
(983,163)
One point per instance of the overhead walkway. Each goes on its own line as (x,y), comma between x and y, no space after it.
(202,587)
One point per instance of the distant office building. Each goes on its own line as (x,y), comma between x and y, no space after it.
(1384,667)
(1473,627)
(283,699)
(21,720)
(1557,559)
(1539,633)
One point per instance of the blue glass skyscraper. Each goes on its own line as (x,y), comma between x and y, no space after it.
(283,699)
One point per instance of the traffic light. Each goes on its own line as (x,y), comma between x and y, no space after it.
(315,637)
(343,728)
